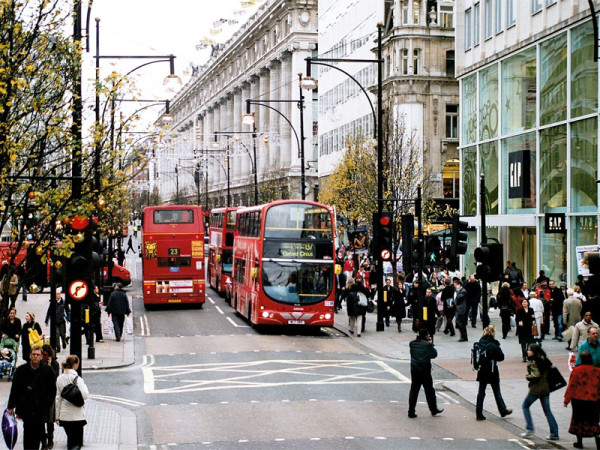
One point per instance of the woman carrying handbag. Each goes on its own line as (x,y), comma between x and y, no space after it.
(525,320)
(69,416)
(29,326)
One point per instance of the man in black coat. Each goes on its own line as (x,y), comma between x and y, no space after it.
(460,300)
(31,396)
(473,289)
(422,352)
(428,313)
(556,305)
(389,297)
(488,372)
(118,306)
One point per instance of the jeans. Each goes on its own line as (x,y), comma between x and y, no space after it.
(118,320)
(558,325)
(545,401)
(497,395)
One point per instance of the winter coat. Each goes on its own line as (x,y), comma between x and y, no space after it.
(352,303)
(65,410)
(537,371)
(399,306)
(488,371)
(461,301)
(32,391)
(9,285)
(538,307)
(62,310)
(580,333)
(593,349)
(430,304)
(558,299)
(572,311)
(421,354)
(118,303)
(527,317)
(584,384)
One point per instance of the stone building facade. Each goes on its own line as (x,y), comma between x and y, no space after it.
(262,62)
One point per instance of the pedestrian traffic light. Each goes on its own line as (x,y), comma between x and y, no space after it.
(489,257)
(433,251)
(458,238)
(407,221)
(385,235)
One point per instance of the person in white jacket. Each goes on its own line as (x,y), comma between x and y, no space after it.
(538,308)
(69,416)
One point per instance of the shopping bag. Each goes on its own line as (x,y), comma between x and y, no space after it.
(107,326)
(128,324)
(555,379)
(534,329)
(34,337)
(9,429)
(572,360)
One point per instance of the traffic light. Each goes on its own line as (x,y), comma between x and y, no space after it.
(408,231)
(80,265)
(458,238)
(385,235)
(433,251)
(490,258)
(417,251)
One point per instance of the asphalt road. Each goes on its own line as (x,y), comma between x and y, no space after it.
(205,378)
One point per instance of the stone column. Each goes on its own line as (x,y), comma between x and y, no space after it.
(273,149)
(285,91)
(265,118)
(254,89)
(246,139)
(237,126)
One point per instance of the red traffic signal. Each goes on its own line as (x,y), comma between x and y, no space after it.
(385,221)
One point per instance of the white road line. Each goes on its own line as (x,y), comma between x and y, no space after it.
(142,327)
(122,401)
(147,325)
(235,324)
(219,309)
(210,299)
(447,397)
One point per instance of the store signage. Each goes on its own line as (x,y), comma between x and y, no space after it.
(554,223)
(519,174)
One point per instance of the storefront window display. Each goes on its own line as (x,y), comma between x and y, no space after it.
(584,231)
(519,174)
(553,256)
(469,109)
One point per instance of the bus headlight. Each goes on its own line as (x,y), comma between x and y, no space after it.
(265,314)
(327,316)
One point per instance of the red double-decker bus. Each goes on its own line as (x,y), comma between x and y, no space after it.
(173,255)
(220,250)
(283,264)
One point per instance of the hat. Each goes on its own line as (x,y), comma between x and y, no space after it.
(563,284)
(544,283)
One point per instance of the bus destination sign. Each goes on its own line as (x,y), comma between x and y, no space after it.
(292,250)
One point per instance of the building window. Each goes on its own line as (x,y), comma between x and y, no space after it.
(584,161)
(416,12)
(468,29)
(488,102)
(487,19)
(584,71)
(553,171)
(488,164)
(536,6)
(550,2)
(446,16)
(519,174)
(511,19)
(476,21)
(416,61)
(405,13)
(450,178)
(498,17)
(470,181)
(519,91)
(452,121)
(450,65)
(553,80)
(404,61)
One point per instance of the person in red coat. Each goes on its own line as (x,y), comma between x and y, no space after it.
(583,392)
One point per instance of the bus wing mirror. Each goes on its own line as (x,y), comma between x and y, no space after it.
(254,272)
(338,269)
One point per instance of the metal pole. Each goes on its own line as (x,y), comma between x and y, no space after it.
(255,163)
(228,184)
(485,320)
(421,241)
(206,186)
(379,135)
(302,170)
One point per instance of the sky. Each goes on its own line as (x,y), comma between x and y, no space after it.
(158,27)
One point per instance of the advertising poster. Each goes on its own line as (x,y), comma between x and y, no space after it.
(582,266)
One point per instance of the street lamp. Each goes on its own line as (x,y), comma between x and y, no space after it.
(310,83)
(249,119)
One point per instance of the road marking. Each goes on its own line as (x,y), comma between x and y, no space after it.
(447,397)
(235,324)
(219,309)
(210,300)
(266,373)
(145,363)
(144,327)
(119,400)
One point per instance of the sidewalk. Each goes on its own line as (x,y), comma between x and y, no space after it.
(108,426)
(455,357)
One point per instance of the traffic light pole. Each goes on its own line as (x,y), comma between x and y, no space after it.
(485,320)
(421,243)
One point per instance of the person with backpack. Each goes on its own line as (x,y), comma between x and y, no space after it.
(486,356)
(539,389)
(515,275)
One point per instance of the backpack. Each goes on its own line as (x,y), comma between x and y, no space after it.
(513,274)
(479,355)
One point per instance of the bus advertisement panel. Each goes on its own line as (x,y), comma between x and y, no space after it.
(220,253)
(173,255)
(283,271)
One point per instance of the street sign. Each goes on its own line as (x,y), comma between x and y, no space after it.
(386,255)
(78,290)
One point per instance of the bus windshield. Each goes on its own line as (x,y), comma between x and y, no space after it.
(298,221)
(297,282)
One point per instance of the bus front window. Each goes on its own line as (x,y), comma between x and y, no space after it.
(297,282)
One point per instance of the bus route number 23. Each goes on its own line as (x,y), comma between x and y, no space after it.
(173,252)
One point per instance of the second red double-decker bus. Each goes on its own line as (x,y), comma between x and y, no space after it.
(173,255)
(283,264)
(220,250)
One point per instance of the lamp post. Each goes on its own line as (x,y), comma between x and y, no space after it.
(232,134)
(249,119)
(310,83)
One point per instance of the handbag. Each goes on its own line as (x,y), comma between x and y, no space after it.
(34,337)
(362,299)
(534,329)
(370,306)
(555,379)
(72,394)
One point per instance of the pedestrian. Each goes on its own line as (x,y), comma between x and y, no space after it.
(422,352)
(591,345)
(387,302)
(49,359)
(572,308)
(440,306)
(488,372)
(361,289)
(449,306)
(556,306)
(399,306)
(69,416)
(460,300)
(30,324)
(11,326)
(413,300)
(473,289)
(61,314)
(525,289)
(515,275)
(506,307)
(8,287)
(118,306)
(96,314)
(583,392)
(541,279)
(525,320)
(31,395)
(544,295)
(537,371)
(130,245)
(538,310)
(428,313)
(348,266)
(581,330)
(352,308)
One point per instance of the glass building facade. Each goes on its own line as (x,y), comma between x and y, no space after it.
(529,123)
